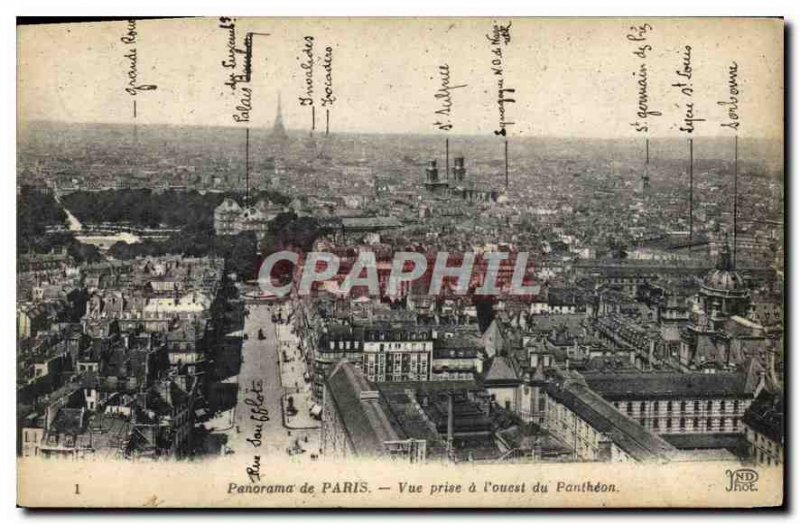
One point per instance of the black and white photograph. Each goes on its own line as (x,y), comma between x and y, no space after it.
(400,262)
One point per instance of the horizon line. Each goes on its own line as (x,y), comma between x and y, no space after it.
(296,131)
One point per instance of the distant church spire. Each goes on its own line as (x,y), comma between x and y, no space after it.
(278,129)
(644,182)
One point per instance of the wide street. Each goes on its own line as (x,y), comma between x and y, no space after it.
(260,425)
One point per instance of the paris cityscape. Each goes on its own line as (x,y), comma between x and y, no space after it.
(651,328)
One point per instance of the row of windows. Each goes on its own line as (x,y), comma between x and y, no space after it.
(758,438)
(344,344)
(30,436)
(573,428)
(626,280)
(383,336)
(397,358)
(469,353)
(406,377)
(357,344)
(458,366)
(405,368)
(696,423)
(452,375)
(765,458)
(413,346)
(681,406)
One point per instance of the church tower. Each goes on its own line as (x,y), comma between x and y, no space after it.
(432,181)
(459,171)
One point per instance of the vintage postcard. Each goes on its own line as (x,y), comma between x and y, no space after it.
(415,262)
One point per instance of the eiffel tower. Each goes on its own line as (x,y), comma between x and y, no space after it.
(278,129)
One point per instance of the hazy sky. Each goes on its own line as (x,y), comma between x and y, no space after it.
(572,77)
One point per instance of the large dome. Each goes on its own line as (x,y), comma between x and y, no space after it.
(724,292)
(724,280)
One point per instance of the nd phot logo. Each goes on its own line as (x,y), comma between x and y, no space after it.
(743,479)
